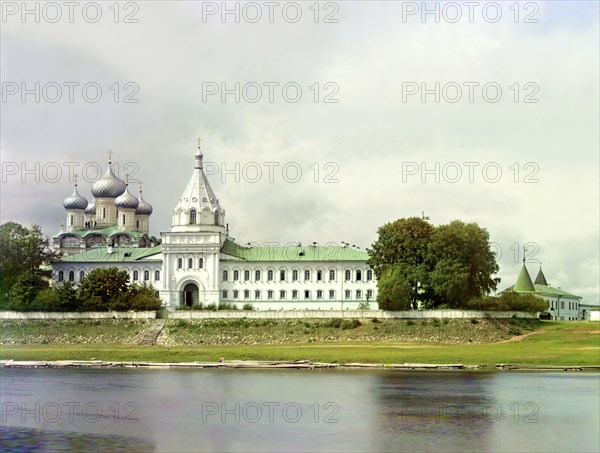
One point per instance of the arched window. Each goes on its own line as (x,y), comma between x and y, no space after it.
(146,275)
(179,263)
(193,217)
(137,224)
(347,275)
(295,275)
(236,275)
(306,275)
(216,217)
(136,276)
(72,220)
(156,275)
(257,275)
(123,218)
(71,276)
(358,275)
(103,213)
(225,275)
(61,276)
(282,275)
(190,263)
(246,275)
(81,275)
(331,275)
(319,275)
(270,275)
(201,263)
(369,275)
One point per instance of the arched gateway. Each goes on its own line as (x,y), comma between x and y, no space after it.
(190,295)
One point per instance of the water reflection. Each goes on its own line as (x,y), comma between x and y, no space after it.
(283,410)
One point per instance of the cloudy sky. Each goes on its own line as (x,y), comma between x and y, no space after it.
(320,121)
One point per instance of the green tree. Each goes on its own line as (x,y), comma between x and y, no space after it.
(23,292)
(394,289)
(22,251)
(445,265)
(463,263)
(404,242)
(102,287)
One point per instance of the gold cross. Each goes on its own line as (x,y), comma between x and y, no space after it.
(110,156)
(141,183)
(75,177)
(127,178)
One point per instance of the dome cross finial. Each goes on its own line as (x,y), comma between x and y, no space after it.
(141,184)
(127,179)
(75,179)
(199,142)
(110,153)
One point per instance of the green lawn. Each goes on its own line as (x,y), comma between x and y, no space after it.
(563,343)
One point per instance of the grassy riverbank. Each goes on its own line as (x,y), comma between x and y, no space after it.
(545,343)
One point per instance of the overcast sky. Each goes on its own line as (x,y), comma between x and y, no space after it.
(510,131)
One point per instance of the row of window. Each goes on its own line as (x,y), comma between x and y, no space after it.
(190,263)
(135,275)
(295,294)
(295,275)
(194,217)
(572,305)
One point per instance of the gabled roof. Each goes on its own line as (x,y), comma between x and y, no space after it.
(118,254)
(524,283)
(292,253)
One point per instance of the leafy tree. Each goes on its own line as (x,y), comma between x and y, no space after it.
(446,265)
(138,297)
(22,251)
(23,292)
(102,287)
(463,263)
(394,289)
(404,242)
(508,301)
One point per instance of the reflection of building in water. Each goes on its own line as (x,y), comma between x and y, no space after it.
(198,261)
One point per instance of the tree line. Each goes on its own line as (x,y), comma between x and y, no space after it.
(419,265)
(25,273)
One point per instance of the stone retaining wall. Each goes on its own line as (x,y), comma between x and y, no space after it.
(78,315)
(295,314)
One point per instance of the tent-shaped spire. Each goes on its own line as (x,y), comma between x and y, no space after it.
(541,278)
(524,282)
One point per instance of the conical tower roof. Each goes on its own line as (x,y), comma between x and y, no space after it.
(198,194)
(541,278)
(524,282)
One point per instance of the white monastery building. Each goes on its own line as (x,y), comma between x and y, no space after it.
(198,261)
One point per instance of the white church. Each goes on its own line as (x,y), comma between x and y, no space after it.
(198,261)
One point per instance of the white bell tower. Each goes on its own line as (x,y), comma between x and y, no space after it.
(191,250)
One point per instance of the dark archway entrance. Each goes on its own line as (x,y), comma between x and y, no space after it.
(190,295)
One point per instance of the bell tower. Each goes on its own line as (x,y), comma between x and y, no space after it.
(192,248)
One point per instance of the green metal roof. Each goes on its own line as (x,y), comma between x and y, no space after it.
(293,253)
(108,231)
(545,290)
(524,283)
(118,254)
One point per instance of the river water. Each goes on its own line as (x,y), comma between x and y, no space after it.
(297,410)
